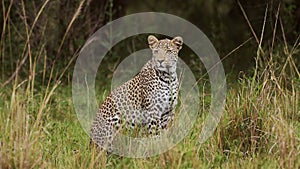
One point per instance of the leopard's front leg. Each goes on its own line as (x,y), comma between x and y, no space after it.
(166,119)
(154,124)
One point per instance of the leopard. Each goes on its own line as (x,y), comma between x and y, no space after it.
(149,99)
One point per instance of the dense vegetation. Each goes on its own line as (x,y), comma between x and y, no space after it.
(259,43)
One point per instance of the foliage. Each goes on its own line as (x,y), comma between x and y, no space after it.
(39,128)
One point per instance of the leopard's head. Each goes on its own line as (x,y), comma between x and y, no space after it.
(165,53)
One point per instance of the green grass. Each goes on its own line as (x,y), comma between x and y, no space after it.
(259,128)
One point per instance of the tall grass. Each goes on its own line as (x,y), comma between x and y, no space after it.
(260,127)
(23,108)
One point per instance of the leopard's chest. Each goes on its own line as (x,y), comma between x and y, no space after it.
(165,95)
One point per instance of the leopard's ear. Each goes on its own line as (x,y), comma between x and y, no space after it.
(152,41)
(177,42)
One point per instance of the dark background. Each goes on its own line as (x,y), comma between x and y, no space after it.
(59,33)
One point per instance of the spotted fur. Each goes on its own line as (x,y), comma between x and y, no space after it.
(148,99)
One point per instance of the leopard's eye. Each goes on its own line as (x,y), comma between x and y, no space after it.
(155,51)
(169,51)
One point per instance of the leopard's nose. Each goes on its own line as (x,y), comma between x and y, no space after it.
(160,61)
